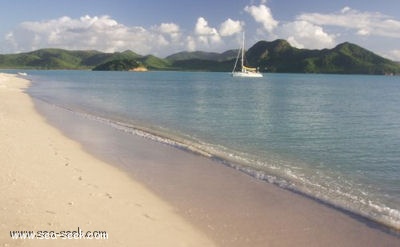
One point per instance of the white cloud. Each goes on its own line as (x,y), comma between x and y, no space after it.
(263,15)
(205,33)
(230,27)
(167,35)
(170,28)
(102,33)
(303,34)
(190,44)
(106,34)
(364,23)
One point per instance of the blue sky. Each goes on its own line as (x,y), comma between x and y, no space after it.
(164,27)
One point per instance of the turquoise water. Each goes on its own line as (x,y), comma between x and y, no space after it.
(332,137)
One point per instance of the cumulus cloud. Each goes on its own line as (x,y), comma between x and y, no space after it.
(206,37)
(230,27)
(107,34)
(167,35)
(303,34)
(364,23)
(263,15)
(206,34)
(190,44)
(170,29)
(102,33)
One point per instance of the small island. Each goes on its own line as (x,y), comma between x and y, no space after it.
(121,65)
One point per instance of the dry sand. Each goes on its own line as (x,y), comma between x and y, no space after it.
(48,183)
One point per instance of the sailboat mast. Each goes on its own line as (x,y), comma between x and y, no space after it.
(242,61)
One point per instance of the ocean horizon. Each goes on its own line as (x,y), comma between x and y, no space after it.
(334,138)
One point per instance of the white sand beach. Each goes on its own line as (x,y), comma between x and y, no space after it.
(49,184)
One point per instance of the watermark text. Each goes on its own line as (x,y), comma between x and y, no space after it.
(64,235)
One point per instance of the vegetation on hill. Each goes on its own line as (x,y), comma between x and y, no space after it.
(46,59)
(118,65)
(346,58)
(62,59)
(155,63)
(276,56)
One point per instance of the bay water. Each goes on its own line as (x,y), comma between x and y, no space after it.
(335,138)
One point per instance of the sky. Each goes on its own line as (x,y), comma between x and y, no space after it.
(164,27)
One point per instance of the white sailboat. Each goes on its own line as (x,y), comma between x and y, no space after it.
(245,71)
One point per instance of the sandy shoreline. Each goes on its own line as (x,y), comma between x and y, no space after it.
(49,183)
(229,206)
(174,199)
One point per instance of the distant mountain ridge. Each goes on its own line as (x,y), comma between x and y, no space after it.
(61,59)
(275,56)
(212,56)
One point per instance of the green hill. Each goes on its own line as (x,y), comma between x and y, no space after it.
(155,63)
(346,58)
(276,56)
(48,59)
(62,59)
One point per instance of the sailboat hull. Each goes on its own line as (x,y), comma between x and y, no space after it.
(247,74)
